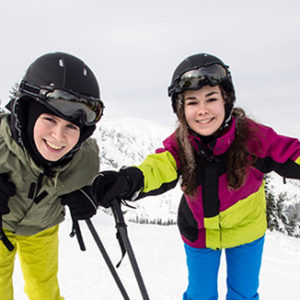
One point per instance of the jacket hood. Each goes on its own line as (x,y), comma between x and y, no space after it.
(18,121)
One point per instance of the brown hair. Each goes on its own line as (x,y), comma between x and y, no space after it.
(237,158)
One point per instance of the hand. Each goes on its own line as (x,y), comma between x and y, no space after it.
(102,184)
(110,185)
(81,203)
(7,190)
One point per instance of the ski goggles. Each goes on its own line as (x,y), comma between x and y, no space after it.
(211,74)
(88,110)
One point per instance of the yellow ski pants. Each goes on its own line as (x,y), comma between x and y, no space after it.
(38,255)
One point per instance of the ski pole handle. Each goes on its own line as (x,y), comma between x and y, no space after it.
(116,208)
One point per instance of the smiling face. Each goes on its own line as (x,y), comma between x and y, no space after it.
(54,137)
(204,109)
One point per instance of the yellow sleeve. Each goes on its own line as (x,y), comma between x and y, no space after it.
(160,172)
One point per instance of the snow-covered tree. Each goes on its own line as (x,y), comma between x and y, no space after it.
(272,220)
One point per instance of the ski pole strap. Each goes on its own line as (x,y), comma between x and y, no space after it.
(76,231)
(120,223)
(7,243)
(122,231)
(121,243)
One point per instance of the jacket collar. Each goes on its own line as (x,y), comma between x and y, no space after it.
(219,145)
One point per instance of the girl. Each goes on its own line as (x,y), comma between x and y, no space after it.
(45,155)
(221,157)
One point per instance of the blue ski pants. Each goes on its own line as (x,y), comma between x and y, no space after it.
(243,267)
(38,255)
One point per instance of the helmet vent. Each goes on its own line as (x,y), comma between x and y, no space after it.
(84,71)
(61,63)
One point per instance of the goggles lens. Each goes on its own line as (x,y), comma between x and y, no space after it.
(72,106)
(194,79)
(68,104)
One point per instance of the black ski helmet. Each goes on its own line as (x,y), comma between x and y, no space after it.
(63,71)
(195,62)
(53,71)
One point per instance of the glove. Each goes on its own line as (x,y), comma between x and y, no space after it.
(81,203)
(7,190)
(110,185)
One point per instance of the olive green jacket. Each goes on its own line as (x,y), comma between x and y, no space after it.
(36,205)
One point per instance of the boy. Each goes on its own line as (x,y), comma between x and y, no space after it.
(45,155)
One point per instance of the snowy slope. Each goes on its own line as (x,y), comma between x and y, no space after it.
(160,255)
(159,250)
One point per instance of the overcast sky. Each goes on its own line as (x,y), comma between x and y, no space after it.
(134,46)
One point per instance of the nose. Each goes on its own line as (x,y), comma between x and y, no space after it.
(58,132)
(202,108)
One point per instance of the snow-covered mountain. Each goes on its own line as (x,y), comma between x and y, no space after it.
(126,142)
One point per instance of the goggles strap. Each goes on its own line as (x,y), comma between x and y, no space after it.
(29,89)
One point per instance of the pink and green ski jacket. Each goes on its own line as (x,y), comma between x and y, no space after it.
(218,217)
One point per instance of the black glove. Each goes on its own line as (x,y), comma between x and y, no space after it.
(81,203)
(122,185)
(7,190)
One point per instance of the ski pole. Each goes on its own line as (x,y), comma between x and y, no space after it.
(121,227)
(76,231)
(107,259)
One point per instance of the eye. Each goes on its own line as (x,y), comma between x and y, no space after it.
(49,119)
(212,99)
(73,127)
(191,102)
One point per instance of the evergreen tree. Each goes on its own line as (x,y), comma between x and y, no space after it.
(281,216)
(293,224)
(271,208)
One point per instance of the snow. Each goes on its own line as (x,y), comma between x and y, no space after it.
(161,259)
(158,249)
(291,188)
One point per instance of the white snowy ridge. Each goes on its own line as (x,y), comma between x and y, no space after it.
(126,142)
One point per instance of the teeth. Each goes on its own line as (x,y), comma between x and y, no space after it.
(53,146)
(203,121)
